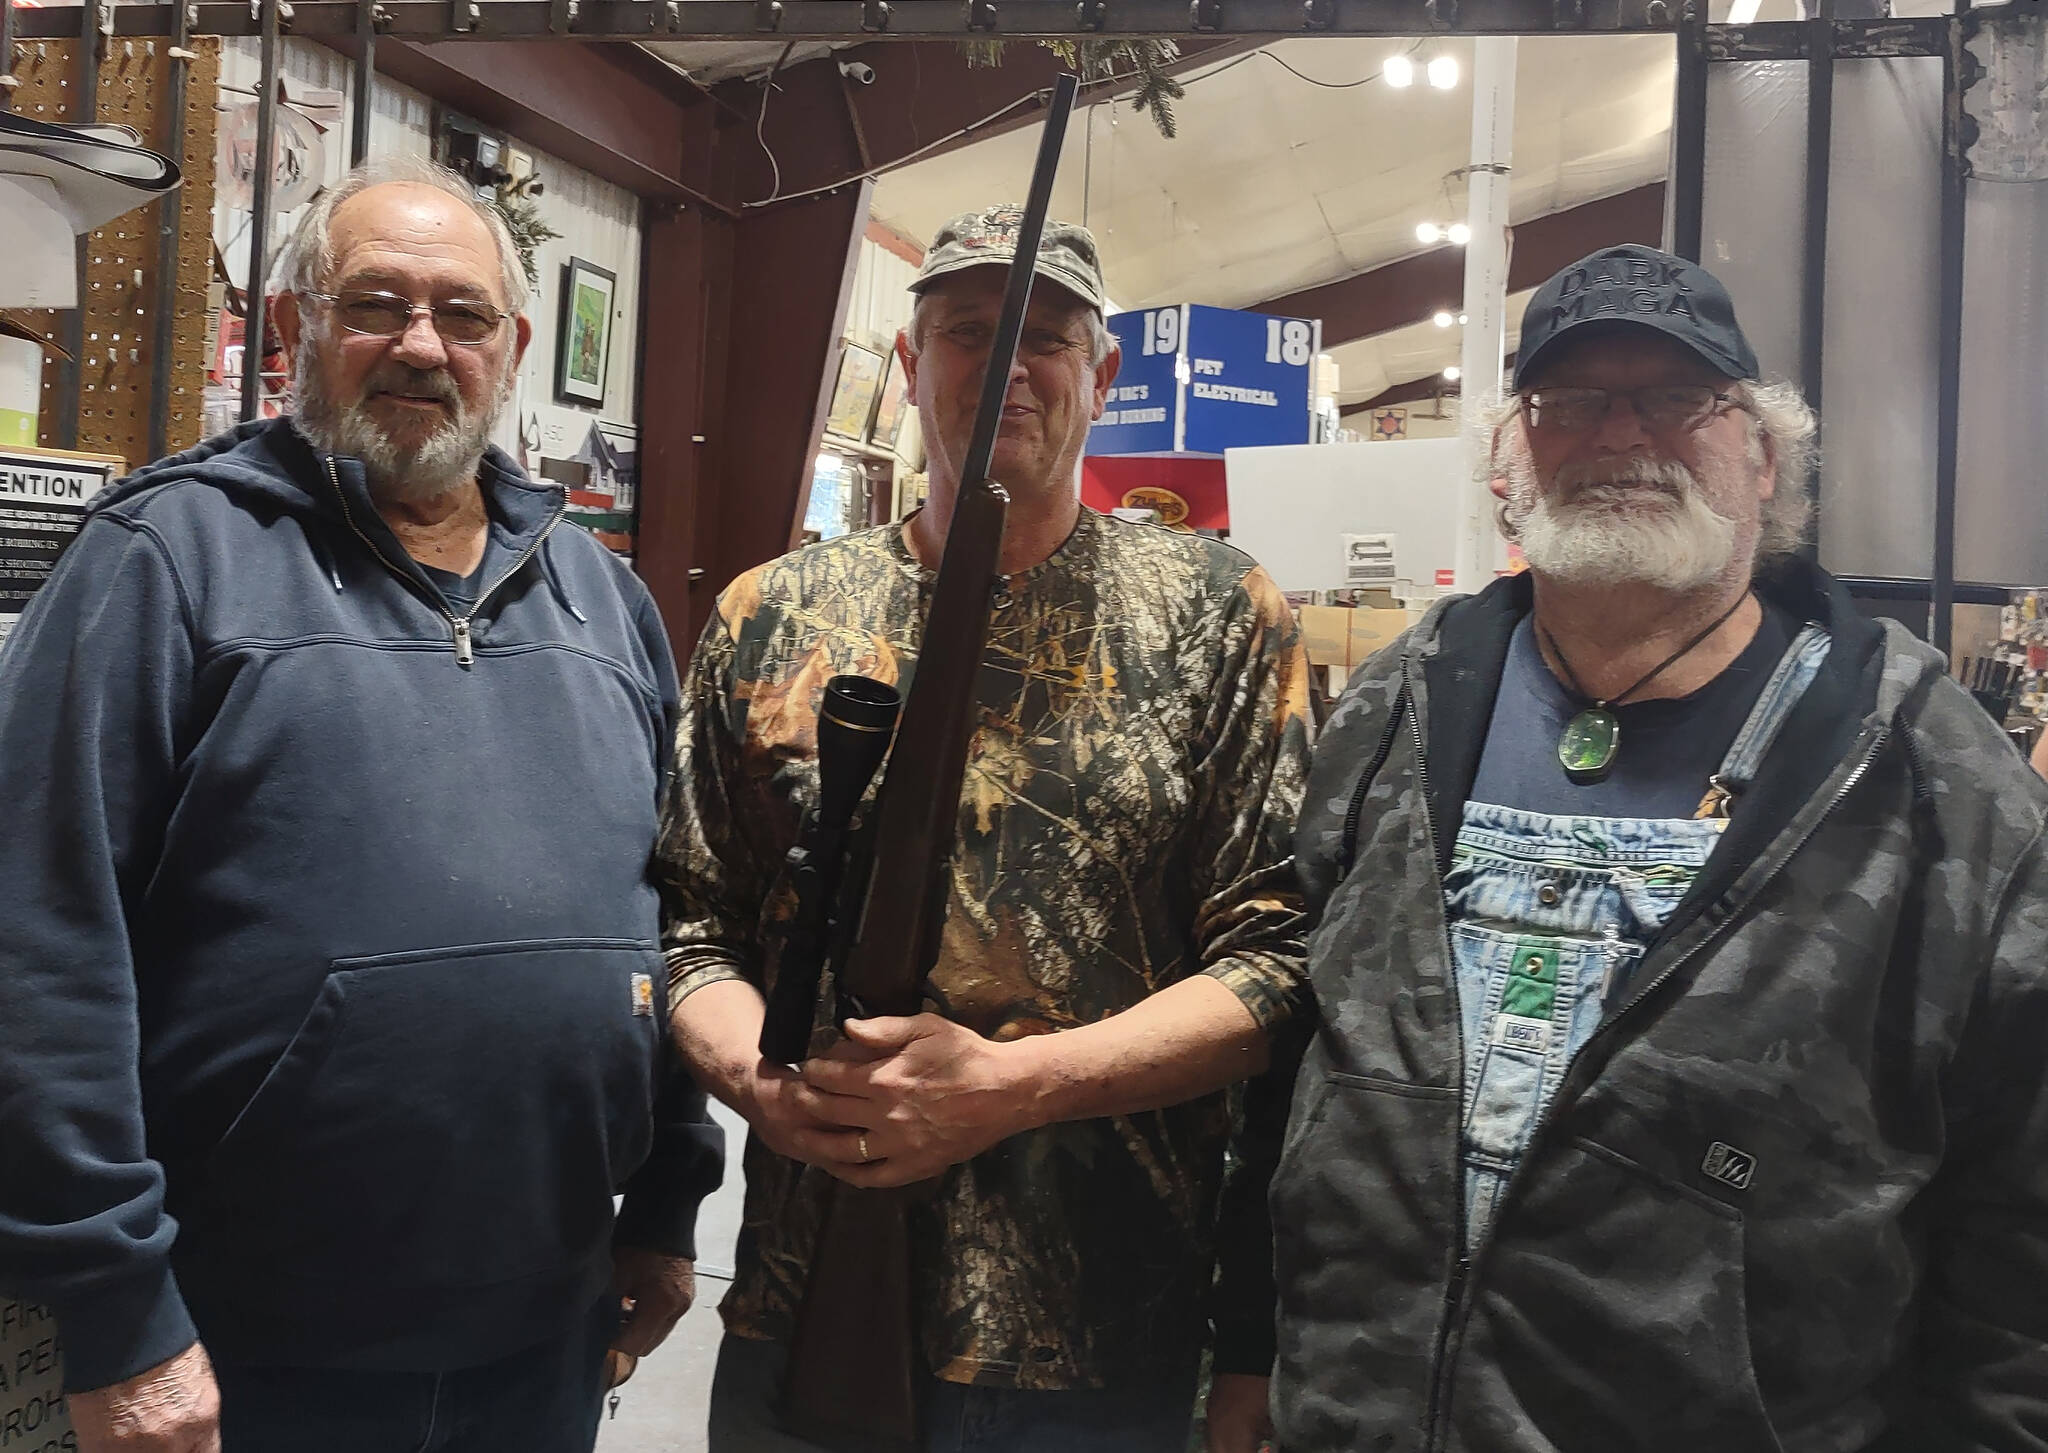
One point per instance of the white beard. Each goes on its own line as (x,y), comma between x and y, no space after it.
(398,474)
(1638,521)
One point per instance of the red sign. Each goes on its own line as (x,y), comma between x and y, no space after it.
(1188,493)
(1447,577)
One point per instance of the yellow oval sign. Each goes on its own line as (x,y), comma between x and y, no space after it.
(1172,508)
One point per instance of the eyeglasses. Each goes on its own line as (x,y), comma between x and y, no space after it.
(464,323)
(1665,408)
(975,336)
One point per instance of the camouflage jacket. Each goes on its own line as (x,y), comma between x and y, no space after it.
(1793,1197)
(1124,824)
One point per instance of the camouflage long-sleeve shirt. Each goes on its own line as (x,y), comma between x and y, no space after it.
(1124,824)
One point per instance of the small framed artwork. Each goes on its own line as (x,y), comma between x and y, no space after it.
(893,406)
(584,344)
(853,395)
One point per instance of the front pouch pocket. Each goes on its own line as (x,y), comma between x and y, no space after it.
(449,1117)
(1613,1312)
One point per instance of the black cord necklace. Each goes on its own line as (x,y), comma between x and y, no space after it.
(1592,739)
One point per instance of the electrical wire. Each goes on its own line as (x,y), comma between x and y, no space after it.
(761,120)
(1330,85)
(1028,98)
(1413,47)
(1087,160)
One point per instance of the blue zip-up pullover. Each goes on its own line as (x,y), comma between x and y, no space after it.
(331,1007)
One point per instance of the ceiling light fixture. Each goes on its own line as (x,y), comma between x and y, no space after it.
(1398,72)
(1443,318)
(1453,374)
(1428,233)
(1443,72)
(1458,233)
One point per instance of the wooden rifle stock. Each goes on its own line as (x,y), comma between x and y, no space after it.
(856,1365)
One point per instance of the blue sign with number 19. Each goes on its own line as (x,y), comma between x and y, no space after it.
(1199,380)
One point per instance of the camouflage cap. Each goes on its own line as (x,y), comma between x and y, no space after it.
(1066,253)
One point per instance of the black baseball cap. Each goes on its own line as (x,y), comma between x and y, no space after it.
(1637,286)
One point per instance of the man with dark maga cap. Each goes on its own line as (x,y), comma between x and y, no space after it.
(1122,927)
(1680,944)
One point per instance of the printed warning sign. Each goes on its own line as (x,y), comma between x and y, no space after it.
(43,497)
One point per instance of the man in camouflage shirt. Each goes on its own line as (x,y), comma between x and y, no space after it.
(1122,933)
(1682,966)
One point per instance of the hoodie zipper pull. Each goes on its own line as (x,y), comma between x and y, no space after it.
(463,655)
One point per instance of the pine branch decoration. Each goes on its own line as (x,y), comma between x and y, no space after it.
(1146,61)
(521,214)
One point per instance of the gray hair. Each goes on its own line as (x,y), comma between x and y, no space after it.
(1778,414)
(308,256)
(1101,342)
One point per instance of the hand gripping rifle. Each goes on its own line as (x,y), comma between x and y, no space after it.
(871,907)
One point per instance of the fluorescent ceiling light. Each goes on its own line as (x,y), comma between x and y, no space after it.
(1443,72)
(1398,72)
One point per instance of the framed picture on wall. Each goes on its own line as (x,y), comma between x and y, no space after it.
(893,406)
(853,394)
(583,345)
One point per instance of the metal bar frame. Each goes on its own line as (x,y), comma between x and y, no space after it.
(1689,142)
(92,26)
(259,224)
(1820,42)
(170,217)
(617,20)
(630,20)
(365,90)
(1949,377)
(1813,292)
(1901,587)
(7,81)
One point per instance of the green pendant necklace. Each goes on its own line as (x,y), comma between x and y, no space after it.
(1592,739)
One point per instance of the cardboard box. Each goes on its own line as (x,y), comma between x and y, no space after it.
(1343,638)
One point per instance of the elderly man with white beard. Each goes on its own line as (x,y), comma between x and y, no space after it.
(331,1002)
(1679,947)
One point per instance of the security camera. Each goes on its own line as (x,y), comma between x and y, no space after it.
(859,71)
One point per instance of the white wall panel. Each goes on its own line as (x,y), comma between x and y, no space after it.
(1880,346)
(599,222)
(881,301)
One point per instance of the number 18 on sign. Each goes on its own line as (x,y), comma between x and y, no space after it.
(1200,380)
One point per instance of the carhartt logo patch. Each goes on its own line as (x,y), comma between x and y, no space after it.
(643,995)
(1512,1031)
(1729,1166)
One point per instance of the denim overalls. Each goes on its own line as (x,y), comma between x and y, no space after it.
(1549,917)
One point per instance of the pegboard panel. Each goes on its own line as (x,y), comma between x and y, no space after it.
(120,286)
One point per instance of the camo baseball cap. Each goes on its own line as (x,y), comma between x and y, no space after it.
(1066,253)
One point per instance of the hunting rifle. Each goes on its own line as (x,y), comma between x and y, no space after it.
(871,906)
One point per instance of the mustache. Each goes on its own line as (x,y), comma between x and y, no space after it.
(1635,473)
(394,377)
